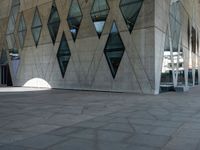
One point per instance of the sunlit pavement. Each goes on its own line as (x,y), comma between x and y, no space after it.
(20,89)
(75,120)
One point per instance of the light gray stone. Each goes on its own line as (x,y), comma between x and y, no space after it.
(182,144)
(149,140)
(40,142)
(113,123)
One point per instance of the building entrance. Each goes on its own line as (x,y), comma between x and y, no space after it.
(6,79)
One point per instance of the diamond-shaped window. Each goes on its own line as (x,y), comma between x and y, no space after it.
(10,37)
(114,50)
(22,31)
(99,14)
(36,27)
(63,55)
(130,10)
(13,16)
(11,41)
(74,18)
(54,22)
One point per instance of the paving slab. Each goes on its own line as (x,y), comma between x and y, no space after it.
(83,120)
(149,140)
(40,141)
(14,147)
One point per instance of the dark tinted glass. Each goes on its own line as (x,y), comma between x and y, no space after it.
(130,10)
(74,18)
(99,15)
(22,30)
(54,23)
(63,55)
(36,27)
(114,50)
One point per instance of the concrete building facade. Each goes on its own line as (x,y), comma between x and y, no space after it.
(140,46)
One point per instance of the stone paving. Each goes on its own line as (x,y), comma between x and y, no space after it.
(77,120)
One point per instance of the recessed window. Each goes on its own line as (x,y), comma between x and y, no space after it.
(10,38)
(130,10)
(11,41)
(175,24)
(181,77)
(54,22)
(63,55)
(193,40)
(36,27)
(74,18)
(22,31)
(114,49)
(99,15)
(196,77)
(190,77)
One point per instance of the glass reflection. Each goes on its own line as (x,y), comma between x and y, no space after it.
(190,77)
(36,27)
(166,75)
(74,18)
(177,51)
(22,31)
(15,8)
(99,15)
(181,70)
(63,55)
(54,22)
(114,50)
(130,10)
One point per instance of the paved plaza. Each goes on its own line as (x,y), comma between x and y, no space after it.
(78,120)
